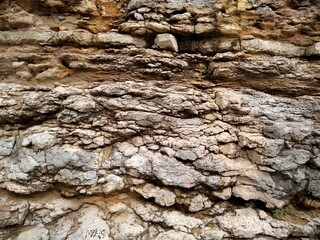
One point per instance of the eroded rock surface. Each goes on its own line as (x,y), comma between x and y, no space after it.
(167,120)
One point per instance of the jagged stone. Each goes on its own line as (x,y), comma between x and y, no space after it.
(13,214)
(107,136)
(163,197)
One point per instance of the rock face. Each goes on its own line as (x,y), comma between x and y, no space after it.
(166,41)
(166,120)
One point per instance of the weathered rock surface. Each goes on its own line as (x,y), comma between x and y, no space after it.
(164,120)
(166,41)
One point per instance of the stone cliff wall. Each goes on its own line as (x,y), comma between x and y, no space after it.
(165,120)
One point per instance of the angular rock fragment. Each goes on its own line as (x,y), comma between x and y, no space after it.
(167,42)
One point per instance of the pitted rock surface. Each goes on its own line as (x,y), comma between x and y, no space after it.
(166,120)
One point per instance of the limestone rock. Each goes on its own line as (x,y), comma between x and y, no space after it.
(251,225)
(213,234)
(173,219)
(117,39)
(38,233)
(25,75)
(174,235)
(272,48)
(167,42)
(127,226)
(163,197)
(26,37)
(51,74)
(159,119)
(313,50)
(13,214)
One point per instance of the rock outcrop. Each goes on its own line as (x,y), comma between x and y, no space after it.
(166,120)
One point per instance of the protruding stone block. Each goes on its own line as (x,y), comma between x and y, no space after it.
(313,50)
(166,41)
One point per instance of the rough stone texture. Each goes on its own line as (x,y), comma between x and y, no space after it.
(166,41)
(104,134)
(313,50)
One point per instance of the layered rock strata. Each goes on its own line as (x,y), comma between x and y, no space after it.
(163,120)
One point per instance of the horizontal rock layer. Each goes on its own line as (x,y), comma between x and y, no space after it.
(159,119)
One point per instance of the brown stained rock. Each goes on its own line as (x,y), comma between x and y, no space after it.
(51,74)
(13,213)
(210,133)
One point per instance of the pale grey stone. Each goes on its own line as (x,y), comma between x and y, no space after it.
(162,27)
(162,196)
(6,146)
(26,37)
(166,41)
(64,91)
(60,157)
(313,50)
(204,28)
(217,181)
(138,17)
(272,48)
(127,149)
(61,230)
(181,17)
(196,6)
(225,194)
(38,232)
(5,102)
(74,177)
(173,218)
(186,155)
(77,37)
(291,159)
(127,227)
(245,223)
(229,149)
(173,173)
(199,203)
(118,39)
(40,140)
(80,103)
(220,163)
(144,10)
(225,137)
(93,226)
(114,183)
(316,161)
(29,161)
(314,186)
(174,235)
(248,192)
(213,234)
(138,165)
